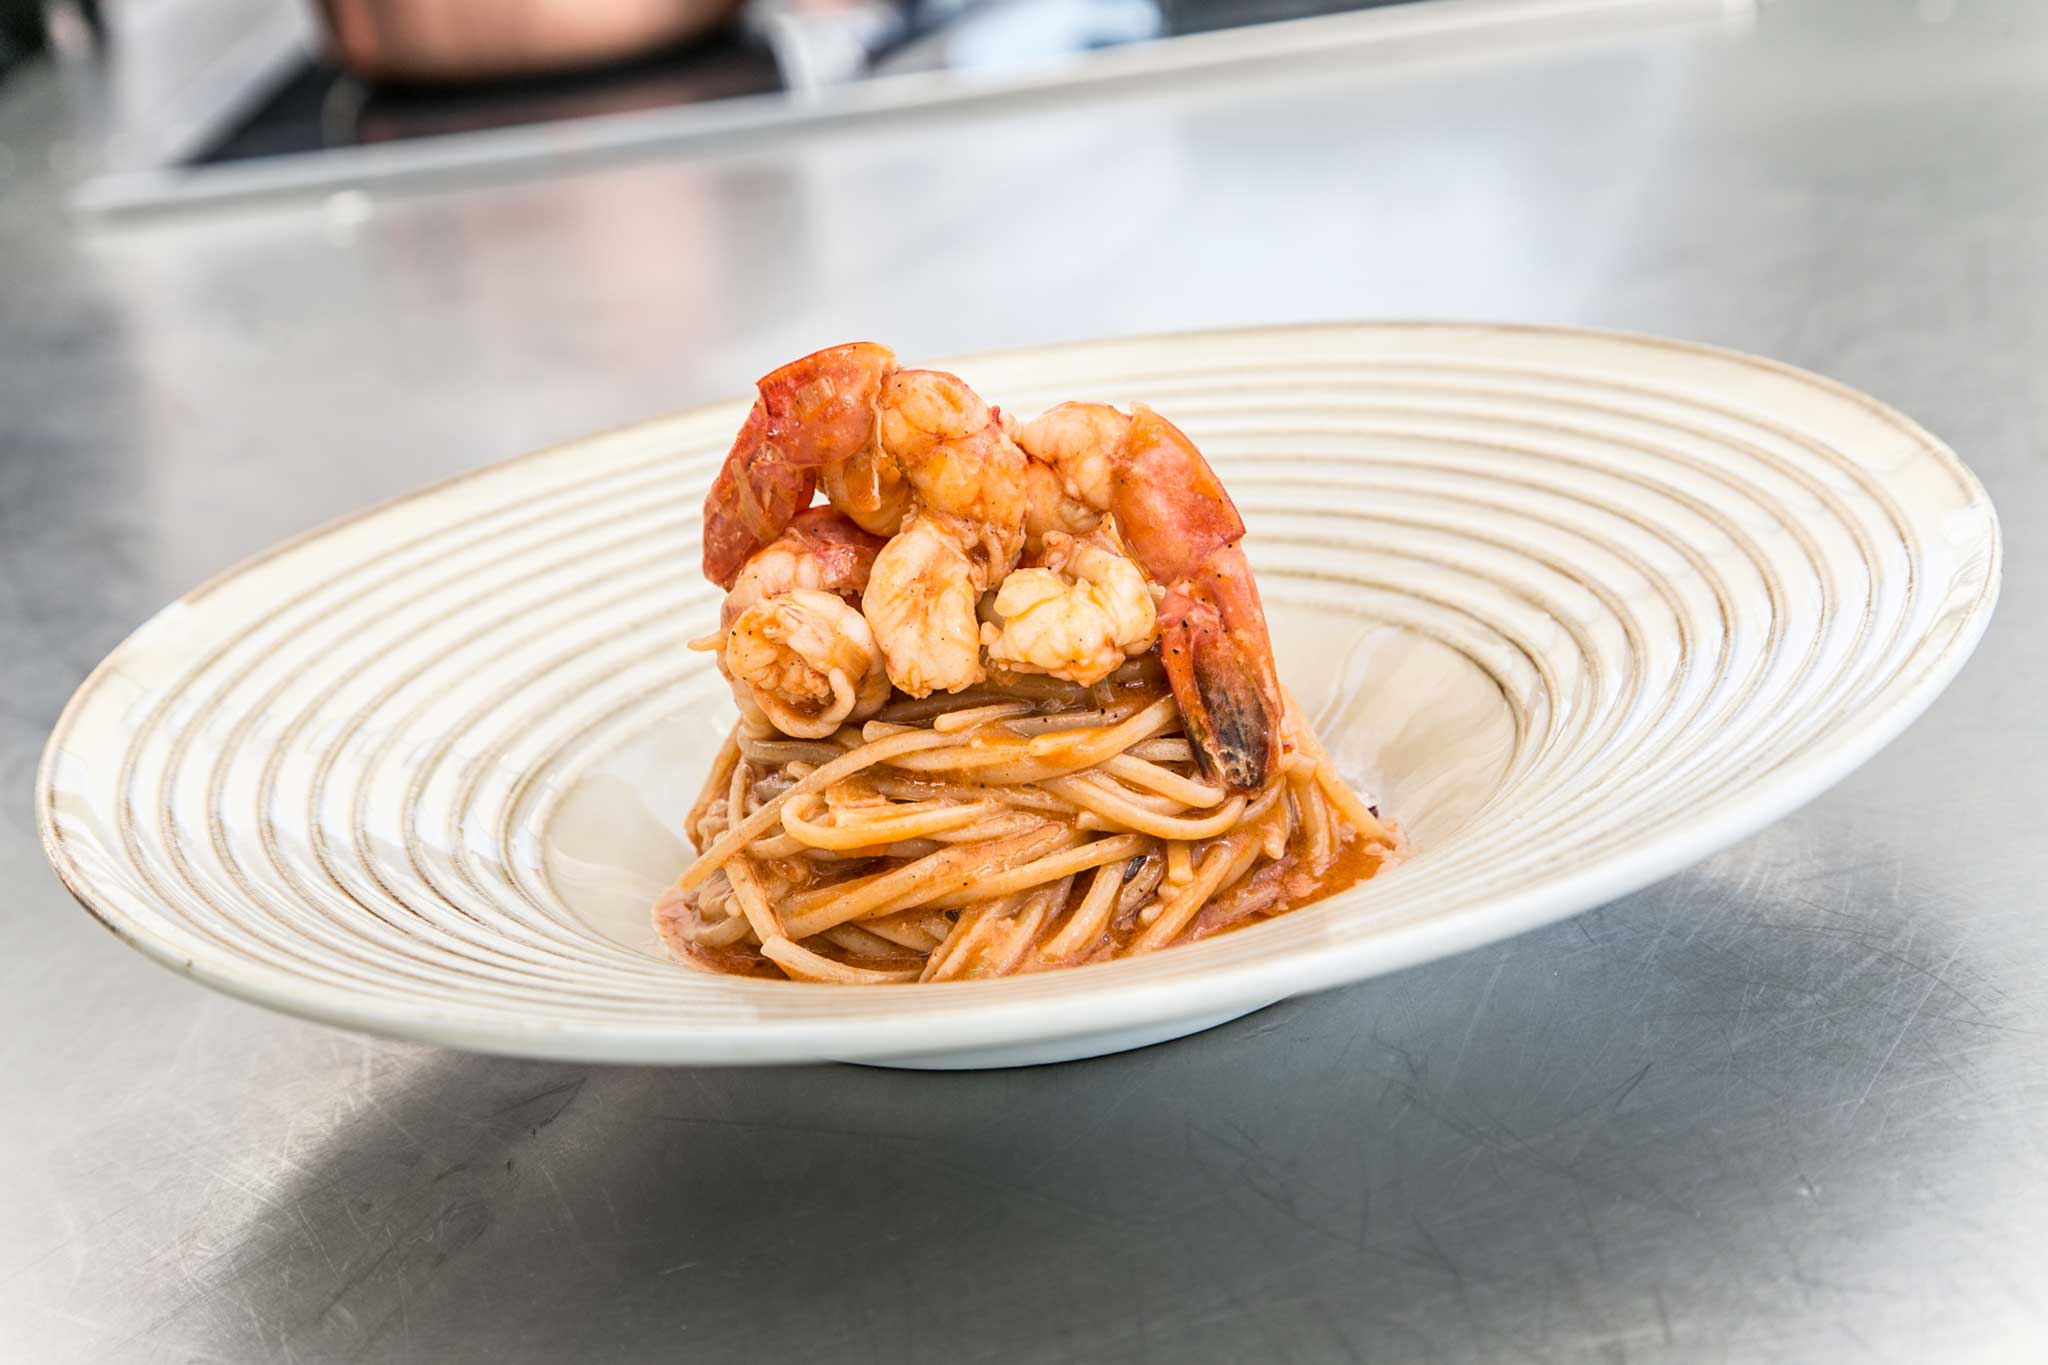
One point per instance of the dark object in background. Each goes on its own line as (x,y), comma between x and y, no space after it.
(429,41)
(21,31)
(1207,16)
(323,106)
(791,46)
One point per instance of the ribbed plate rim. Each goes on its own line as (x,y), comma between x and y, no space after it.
(973,1024)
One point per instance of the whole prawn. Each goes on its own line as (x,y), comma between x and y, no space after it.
(1183,529)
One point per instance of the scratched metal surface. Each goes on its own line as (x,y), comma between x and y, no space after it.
(1788,1106)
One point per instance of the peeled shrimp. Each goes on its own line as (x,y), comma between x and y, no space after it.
(965,532)
(951,447)
(808,661)
(818,549)
(920,604)
(869,487)
(1069,480)
(1077,614)
(792,640)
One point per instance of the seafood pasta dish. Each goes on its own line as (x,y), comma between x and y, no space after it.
(1007,699)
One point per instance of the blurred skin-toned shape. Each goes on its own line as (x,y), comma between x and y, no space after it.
(456,40)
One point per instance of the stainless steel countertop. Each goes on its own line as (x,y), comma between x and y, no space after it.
(1791,1105)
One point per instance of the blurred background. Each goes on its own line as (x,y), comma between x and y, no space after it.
(176,100)
(264,262)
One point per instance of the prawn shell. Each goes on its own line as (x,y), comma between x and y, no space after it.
(809,413)
(821,409)
(1171,507)
(1219,663)
(756,494)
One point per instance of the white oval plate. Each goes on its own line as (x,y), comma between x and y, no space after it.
(1577,608)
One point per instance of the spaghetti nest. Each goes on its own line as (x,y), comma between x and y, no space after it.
(1012,827)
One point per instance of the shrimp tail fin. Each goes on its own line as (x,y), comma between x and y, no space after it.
(1219,663)
(1182,526)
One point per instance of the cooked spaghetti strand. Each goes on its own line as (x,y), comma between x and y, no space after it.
(1090,919)
(763,819)
(802,964)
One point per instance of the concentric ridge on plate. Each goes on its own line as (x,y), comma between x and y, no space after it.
(1704,585)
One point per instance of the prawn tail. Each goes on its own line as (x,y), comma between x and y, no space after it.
(1219,663)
